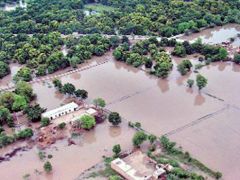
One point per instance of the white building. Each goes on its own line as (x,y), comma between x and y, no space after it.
(61,111)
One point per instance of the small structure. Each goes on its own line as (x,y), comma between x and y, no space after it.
(138,166)
(61,111)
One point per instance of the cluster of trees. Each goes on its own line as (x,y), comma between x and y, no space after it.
(21,135)
(70,89)
(139,137)
(137,55)
(212,53)
(15,101)
(165,18)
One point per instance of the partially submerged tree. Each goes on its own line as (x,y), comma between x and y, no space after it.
(87,122)
(116,150)
(139,138)
(201,81)
(114,118)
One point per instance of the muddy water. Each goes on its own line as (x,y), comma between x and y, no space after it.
(216,35)
(162,106)
(69,161)
(216,142)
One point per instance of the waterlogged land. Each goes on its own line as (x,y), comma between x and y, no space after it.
(205,124)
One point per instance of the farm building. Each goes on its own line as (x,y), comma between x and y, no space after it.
(61,111)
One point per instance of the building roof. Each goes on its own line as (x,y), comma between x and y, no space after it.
(63,108)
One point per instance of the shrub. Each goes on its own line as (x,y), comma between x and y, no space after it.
(62,125)
(45,122)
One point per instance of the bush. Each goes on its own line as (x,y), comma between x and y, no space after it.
(45,122)
(62,125)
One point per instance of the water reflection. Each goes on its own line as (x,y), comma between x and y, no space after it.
(199,100)
(163,84)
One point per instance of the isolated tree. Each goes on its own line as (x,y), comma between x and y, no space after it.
(99,102)
(190,83)
(114,118)
(87,122)
(139,138)
(201,81)
(116,150)
(47,167)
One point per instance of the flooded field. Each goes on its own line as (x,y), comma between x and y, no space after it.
(215,141)
(69,161)
(204,124)
(217,35)
(162,106)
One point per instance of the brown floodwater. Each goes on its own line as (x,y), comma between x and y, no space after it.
(215,141)
(161,106)
(216,35)
(69,161)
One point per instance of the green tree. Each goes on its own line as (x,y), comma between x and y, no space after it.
(20,103)
(34,112)
(236,58)
(57,83)
(24,134)
(116,150)
(139,138)
(152,138)
(114,118)
(201,81)
(190,83)
(81,93)
(68,88)
(4,69)
(24,89)
(47,167)
(184,67)
(99,102)
(24,74)
(87,122)
(5,115)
